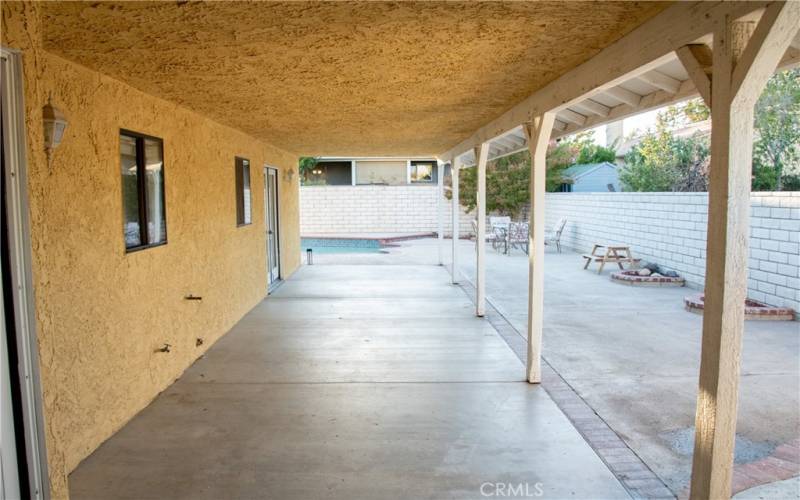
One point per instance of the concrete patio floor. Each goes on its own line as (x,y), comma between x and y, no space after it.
(351,382)
(633,355)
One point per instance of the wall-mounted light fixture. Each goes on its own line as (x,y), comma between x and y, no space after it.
(288,175)
(55,123)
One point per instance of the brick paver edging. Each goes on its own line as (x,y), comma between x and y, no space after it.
(623,462)
(752,309)
(632,278)
(784,463)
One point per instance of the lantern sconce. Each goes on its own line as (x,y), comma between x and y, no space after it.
(288,175)
(55,123)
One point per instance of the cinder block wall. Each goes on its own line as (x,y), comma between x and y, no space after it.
(374,209)
(670,229)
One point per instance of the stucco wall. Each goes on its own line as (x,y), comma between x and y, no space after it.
(375,209)
(102,313)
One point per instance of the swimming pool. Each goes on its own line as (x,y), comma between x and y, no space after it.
(340,245)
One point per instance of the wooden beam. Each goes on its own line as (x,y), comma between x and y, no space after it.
(696,59)
(734,92)
(481,158)
(455,164)
(646,47)
(625,96)
(660,98)
(439,212)
(790,59)
(593,107)
(559,125)
(649,102)
(538,134)
(661,81)
(772,37)
(507,142)
(572,117)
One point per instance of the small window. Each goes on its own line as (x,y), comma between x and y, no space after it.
(144,210)
(243,210)
(423,172)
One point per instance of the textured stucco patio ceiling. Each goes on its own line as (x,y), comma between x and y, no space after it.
(341,78)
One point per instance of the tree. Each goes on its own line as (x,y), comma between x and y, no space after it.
(664,162)
(305,166)
(508,178)
(594,153)
(681,115)
(776,151)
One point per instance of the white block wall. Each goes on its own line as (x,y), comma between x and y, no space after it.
(670,229)
(374,209)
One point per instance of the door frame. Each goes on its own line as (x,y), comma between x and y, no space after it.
(19,246)
(271,285)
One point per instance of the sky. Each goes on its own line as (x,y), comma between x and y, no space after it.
(637,123)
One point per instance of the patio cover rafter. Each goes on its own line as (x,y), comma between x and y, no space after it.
(640,51)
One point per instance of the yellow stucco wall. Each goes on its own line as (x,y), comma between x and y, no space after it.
(102,313)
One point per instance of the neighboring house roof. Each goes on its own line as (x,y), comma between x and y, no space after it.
(575,172)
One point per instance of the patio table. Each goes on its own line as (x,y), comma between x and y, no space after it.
(612,253)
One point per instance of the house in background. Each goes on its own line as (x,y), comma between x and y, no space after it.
(590,178)
(390,196)
(372,171)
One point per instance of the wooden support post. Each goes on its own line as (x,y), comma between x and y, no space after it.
(456,209)
(744,56)
(439,214)
(538,134)
(481,158)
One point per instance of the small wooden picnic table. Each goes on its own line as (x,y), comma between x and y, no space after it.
(612,253)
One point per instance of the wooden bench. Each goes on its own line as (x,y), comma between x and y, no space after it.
(612,254)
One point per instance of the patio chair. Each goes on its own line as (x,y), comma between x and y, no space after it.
(518,235)
(496,234)
(499,221)
(553,237)
(498,227)
(499,238)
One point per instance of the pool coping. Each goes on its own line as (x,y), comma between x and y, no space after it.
(383,240)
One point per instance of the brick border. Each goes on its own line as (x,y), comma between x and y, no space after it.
(752,309)
(635,476)
(632,278)
(782,464)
